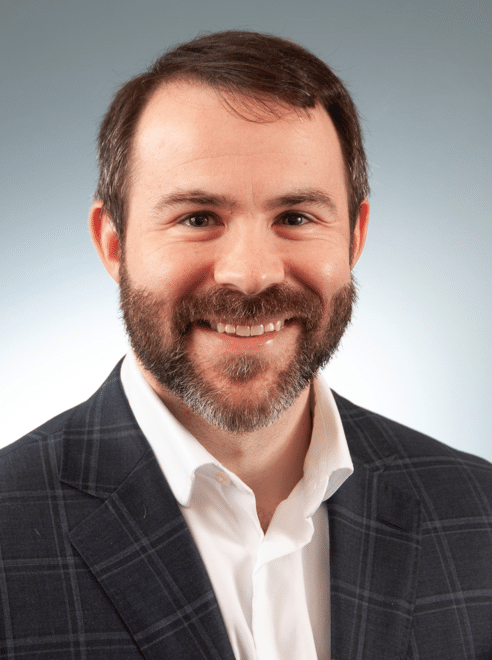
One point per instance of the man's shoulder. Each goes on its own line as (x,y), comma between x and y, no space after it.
(26,456)
(23,459)
(388,437)
(450,484)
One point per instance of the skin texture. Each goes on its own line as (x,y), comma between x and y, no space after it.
(219,202)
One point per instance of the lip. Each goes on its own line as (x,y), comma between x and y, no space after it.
(235,342)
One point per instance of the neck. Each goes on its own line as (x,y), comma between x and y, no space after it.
(269,460)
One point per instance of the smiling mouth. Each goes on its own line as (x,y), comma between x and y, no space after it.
(248,330)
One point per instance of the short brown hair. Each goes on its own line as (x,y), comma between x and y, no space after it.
(249,64)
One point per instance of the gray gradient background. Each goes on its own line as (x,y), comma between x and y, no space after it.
(419,349)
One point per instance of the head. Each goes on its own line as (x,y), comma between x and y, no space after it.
(231,208)
(250,67)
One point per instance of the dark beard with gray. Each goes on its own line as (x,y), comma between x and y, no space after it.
(159,338)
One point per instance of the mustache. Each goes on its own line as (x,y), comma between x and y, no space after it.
(221,304)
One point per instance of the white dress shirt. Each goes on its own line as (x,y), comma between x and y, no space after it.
(272,589)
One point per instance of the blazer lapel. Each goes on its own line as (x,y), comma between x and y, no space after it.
(135,540)
(375,531)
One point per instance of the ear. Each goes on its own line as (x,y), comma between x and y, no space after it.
(360,232)
(105,239)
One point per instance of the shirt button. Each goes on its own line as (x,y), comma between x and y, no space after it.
(222,478)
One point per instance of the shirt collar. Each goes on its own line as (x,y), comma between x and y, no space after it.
(180,455)
(327,463)
(178,452)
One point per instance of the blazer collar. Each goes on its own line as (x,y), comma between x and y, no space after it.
(375,536)
(136,542)
(369,444)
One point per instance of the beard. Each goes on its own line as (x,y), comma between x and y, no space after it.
(159,336)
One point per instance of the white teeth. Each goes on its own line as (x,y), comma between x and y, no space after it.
(243,330)
(247,330)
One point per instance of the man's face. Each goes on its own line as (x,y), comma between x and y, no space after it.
(236,281)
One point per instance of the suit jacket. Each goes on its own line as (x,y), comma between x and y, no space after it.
(97,562)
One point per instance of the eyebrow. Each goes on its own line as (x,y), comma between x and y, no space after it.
(195,196)
(203,198)
(311,196)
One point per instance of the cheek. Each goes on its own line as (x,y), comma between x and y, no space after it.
(324,271)
(169,270)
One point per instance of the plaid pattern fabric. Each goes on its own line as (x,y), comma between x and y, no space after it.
(96,561)
(410,547)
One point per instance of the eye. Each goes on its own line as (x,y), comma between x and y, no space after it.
(294,219)
(199,220)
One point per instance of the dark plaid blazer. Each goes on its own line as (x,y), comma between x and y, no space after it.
(97,562)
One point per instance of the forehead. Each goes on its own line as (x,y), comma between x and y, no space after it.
(179,102)
(188,129)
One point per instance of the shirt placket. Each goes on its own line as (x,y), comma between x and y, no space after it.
(279,608)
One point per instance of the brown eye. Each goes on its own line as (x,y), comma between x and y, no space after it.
(294,220)
(198,220)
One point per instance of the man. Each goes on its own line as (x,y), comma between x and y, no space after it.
(214,499)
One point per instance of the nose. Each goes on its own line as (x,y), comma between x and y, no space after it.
(249,260)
